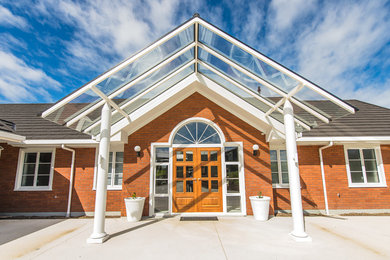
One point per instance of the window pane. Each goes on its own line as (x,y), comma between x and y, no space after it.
(189,186)
(370,165)
(45,157)
(161,187)
(231,154)
(192,130)
(179,156)
(179,172)
(353,154)
(43,180)
(29,169)
(44,169)
(118,179)
(27,180)
(283,155)
(233,186)
(284,166)
(162,172)
(109,182)
(179,186)
(204,156)
(275,177)
(161,204)
(369,153)
(232,171)
(162,154)
(372,177)
(110,157)
(284,177)
(205,186)
(30,158)
(205,171)
(273,155)
(274,167)
(355,165)
(119,157)
(214,186)
(233,204)
(214,171)
(357,177)
(189,156)
(118,168)
(214,156)
(189,171)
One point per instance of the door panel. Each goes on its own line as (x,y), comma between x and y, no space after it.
(197,180)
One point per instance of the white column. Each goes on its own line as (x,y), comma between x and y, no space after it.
(99,235)
(298,232)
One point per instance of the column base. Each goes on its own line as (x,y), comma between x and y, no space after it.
(304,238)
(97,239)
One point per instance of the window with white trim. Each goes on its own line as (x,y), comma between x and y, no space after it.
(232,166)
(364,167)
(161,172)
(35,170)
(115,170)
(279,168)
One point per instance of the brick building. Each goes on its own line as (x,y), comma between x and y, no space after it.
(197,123)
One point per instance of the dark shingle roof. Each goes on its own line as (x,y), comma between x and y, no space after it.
(370,120)
(30,124)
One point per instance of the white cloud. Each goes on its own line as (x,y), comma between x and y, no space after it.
(16,78)
(334,51)
(7,18)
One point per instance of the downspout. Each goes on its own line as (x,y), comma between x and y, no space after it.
(71,179)
(323,176)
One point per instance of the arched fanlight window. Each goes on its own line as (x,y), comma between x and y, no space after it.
(197,133)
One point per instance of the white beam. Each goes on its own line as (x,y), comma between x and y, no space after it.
(156,85)
(281,101)
(112,103)
(264,82)
(118,67)
(260,98)
(277,66)
(130,84)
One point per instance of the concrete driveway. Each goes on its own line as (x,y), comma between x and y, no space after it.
(229,238)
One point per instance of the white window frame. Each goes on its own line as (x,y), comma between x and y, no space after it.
(279,185)
(114,150)
(379,162)
(19,173)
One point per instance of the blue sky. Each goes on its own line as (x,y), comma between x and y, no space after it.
(50,48)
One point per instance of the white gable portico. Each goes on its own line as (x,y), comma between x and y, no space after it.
(197,57)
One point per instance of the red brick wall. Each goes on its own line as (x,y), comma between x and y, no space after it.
(336,182)
(137,170)
(83,197)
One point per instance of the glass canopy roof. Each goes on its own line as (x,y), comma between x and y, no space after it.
(197,47)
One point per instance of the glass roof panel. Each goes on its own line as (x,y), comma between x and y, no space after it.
(130,105)
(147,61)
(246,60)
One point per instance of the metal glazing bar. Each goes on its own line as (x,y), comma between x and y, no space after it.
(118,68)
(131,83)
(264,82)
(265,101)
(278,67)
(154,86)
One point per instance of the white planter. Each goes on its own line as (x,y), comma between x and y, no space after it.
(134,208)
(260,207)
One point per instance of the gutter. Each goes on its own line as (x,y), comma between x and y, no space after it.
(71,178)
(323,175)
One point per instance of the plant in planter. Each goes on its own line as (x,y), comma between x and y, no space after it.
(134,207)
(260,206)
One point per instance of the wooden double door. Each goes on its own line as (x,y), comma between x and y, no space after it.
(197,181)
